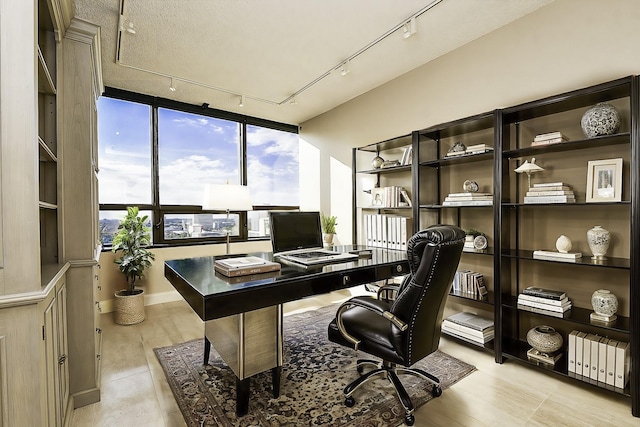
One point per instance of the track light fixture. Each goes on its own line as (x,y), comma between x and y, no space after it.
(172,87)
(129,27)
(293,101)
(241,102)
(345,68)
(409,28)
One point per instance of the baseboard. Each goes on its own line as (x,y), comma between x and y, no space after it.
(86,397)
(106,306)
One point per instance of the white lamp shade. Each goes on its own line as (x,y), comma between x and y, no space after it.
(529,167)
(227,197)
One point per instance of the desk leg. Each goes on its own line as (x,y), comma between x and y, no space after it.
(276,374)
(207,350)
(242,396)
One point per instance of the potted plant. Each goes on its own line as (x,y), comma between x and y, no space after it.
(130,242)
(328,224)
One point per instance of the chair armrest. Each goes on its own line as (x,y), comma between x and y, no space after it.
(369,303)
(390,287)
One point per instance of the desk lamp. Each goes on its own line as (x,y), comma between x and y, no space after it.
(227,197)
(529,168)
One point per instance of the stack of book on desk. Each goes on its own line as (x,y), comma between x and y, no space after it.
(544,301)
(550,192)
(557,256)
(468,199)
(243,266)
(548,138)
(469,327)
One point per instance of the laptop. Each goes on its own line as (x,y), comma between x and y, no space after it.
(297,237)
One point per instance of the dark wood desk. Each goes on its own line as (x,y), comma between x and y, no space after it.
(243,315)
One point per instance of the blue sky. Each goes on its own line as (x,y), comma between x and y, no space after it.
(193,150)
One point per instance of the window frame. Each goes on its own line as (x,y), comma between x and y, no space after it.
(157,210)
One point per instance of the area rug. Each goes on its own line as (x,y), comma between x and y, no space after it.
(314,374)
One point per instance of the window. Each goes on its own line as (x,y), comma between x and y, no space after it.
(159,155)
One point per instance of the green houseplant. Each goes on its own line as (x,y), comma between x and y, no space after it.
(328,224)
(130,243)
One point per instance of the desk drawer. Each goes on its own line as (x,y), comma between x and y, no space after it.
(346,279)
(388,271)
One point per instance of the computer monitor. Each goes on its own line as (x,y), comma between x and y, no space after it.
(295,230)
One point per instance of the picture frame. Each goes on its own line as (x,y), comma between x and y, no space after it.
(604,181)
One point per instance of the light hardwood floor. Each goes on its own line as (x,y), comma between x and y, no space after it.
(135,392)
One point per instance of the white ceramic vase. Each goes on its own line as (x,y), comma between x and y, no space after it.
(598,239)
(604,303)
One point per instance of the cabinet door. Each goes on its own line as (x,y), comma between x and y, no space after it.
(51,362)
(62,355)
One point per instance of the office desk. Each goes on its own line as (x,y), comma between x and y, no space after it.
(243,315)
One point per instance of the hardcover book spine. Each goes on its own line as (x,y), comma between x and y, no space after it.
(543,306)
(549,301)
(544,293)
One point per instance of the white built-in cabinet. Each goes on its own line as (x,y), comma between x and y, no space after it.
(49,274)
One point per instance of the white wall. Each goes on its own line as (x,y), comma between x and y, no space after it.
(566,45)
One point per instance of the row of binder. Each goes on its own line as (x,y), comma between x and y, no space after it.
(598,360)
(387,231)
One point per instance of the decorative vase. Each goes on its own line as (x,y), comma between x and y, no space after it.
(563,244)
(128,309)
(601,119)
(377,162)
(328,239)
(605,304)
(544,339)
(598,239)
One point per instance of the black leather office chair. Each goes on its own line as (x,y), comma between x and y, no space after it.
(405,330)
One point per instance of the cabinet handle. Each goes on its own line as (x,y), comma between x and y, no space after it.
(62,359)
(399,268)
(346,280)
(96,277)
(99,287)
(99,330)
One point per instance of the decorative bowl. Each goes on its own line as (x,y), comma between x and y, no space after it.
(544,339)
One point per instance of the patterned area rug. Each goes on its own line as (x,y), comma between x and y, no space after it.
(314,374)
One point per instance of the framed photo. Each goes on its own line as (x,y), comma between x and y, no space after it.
(604,181)
(378,197)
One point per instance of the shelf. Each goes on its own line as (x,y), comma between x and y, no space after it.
(47,205)
(598,141)
(382,208)
(488,251)
(402,168)
(45,152)
(517,350)
(577,315)
(399,142)
(487,299)
(438,206)
(459,127)
(610,262)
(465,158)
(45,82)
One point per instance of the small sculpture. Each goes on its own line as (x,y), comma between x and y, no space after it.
(563,244)
(470,186)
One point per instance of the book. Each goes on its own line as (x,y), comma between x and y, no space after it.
(544,293)
(543,311)
(471,320)
(549,199)
(548,135)
(602,362)
(470,195)
(243,266)
(548,141)
(593,370)
(466,336)
(405,197)
(555,258)
(544,306)
(549,184)
(468,202)
(550,193)
(532,298)
(537,190)
(555,254)
(483,335)
(579,346)
(611,363)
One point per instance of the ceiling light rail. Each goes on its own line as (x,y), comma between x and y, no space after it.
(408,27)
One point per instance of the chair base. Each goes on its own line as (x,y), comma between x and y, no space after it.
(391,371)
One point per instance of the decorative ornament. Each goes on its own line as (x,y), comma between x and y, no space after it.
(545,342)
(377,162)
(480,242)
(470,186)
(528,168)
(458,147)
(563,244)
(598,239)
(601,119)
(605,305)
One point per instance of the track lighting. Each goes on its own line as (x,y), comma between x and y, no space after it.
(241,102)
(129,27)
(293,101)
(409,28)
(172,88)
(345,68)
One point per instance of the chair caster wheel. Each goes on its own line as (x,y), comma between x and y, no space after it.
(349,402)
(436,391)
(409,420)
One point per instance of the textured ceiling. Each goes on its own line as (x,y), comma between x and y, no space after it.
(269,50)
